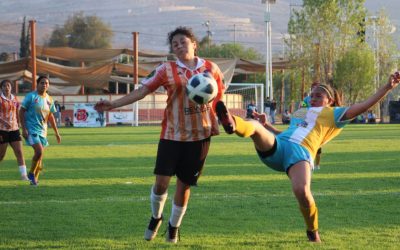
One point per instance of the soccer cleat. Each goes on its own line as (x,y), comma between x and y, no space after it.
(172,234)
(225,118)
(31,177)
(152,229)
(313,236)
(24,177)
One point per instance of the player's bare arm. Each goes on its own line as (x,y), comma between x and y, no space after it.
(22,121)
(362,107)
(53,123)
(134,96)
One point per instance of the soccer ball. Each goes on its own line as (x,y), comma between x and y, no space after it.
(202,88)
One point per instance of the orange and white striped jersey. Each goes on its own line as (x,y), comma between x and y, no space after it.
(183,119)
(8,113)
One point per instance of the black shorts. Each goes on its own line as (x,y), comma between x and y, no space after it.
(9,136)
(183,159)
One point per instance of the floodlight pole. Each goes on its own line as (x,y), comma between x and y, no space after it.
(207,24)
(82,90)
(268,62)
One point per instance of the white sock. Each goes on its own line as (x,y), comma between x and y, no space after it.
(157,203)
(177,215)
(22,170)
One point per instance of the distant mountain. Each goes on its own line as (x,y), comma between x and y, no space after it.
(240,21)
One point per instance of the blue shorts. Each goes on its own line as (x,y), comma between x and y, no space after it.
(35,139)
(286,155)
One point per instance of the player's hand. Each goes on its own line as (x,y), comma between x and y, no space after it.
(25,133)
(58,136)
(103,105)
(262,118)
(394,80)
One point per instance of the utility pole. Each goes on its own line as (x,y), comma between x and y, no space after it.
(234,34)
(32,24)
(135,75)
(376,35)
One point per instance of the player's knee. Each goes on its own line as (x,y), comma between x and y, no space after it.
(303,194)
(160,188)
(38,154)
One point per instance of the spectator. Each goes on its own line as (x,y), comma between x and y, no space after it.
(251,108)
(286,117)
(101,116)
(360,119)
(371,117)
(273,109)
(57,114)
(68,121)
(267,107)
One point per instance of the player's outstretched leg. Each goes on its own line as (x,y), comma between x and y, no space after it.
(233,123)
(225,118)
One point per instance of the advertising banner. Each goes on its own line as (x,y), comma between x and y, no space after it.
(120,117)
(86,116)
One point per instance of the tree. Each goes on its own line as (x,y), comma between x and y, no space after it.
(227,50)
(321,32)
(84,32)
(24,41)
(354,73)
(231,50)
(386,47)
(385,51)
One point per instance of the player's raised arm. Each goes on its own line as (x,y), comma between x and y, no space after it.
(360,108)
(134,96)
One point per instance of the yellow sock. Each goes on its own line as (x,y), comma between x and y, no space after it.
(243,128)
(310,215)
(34,165)
(38,169)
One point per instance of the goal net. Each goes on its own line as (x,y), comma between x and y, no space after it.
(150,110)
(239,95)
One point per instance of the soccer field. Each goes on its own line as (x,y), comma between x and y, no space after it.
(95,189)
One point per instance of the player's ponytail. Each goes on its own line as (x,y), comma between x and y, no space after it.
(337,98)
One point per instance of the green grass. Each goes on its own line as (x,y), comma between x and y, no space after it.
(94,194)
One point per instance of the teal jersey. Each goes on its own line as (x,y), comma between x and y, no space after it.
(38,109)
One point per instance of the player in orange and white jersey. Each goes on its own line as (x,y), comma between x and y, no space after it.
(9,126)
(186,128)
